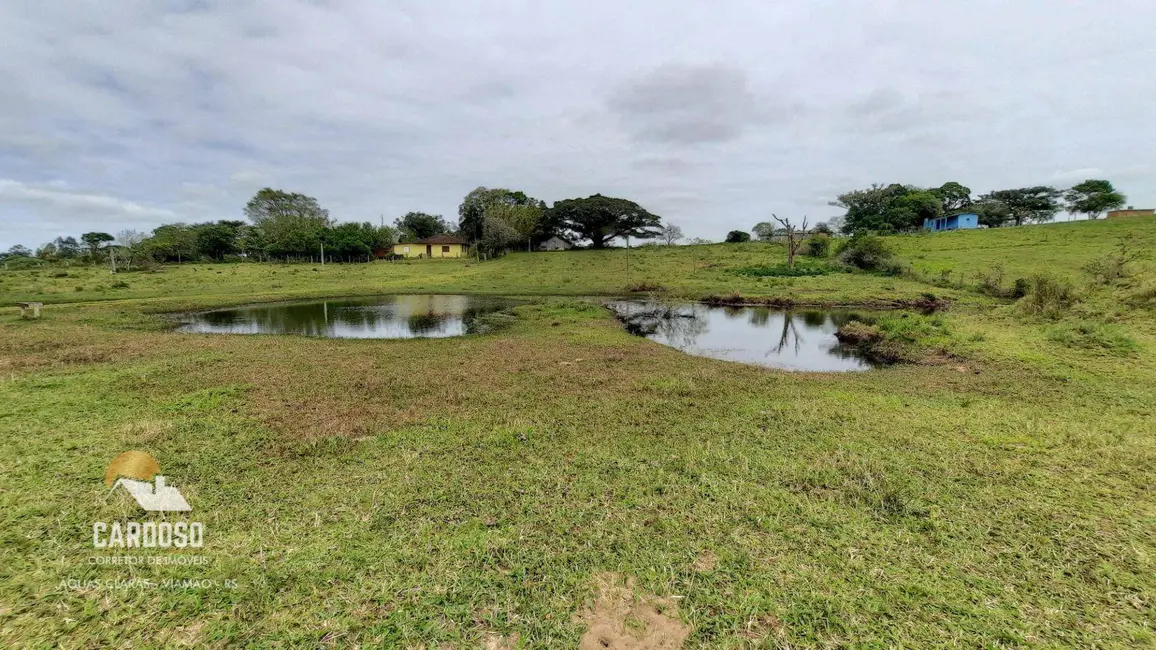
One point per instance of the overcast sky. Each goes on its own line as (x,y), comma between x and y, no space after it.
(132,113)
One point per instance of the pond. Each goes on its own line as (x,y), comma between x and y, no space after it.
(380,317)
(797,339)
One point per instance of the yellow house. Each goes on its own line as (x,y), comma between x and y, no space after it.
(436,246)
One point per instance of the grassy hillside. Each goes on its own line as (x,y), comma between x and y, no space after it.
(1058,248)
(693,271)
(478,491)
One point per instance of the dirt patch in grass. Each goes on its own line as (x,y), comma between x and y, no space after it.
(621,619)
(495,641)
(706,562)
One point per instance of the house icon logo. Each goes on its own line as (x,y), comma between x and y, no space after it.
(137,472)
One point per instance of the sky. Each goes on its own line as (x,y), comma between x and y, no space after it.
(713,115)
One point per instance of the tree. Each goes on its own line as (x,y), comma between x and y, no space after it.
(19,251)
(909,211)
(737,237)
(870,209)
(525,219)
(670,233)
(47,251)
(472,211)
(1028,204)
(793,243)
(419,225)
(94,241)
(1093,198)
(216,240)
(764,230)
(251,242)
(602,218)
(497,236)
(66,247)
(355,241)
(992,213)
(128,249)
(953,197)
(173,242)
(292,224)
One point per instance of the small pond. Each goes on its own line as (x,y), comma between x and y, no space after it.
(797,339)
(380,317)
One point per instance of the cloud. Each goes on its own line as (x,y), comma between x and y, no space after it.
(687,104)
(132,113)
(52,198)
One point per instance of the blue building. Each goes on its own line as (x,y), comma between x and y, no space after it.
(965,221)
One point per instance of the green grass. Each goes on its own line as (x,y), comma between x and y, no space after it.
(425,493)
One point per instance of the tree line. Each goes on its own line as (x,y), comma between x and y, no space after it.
(288,226)
(899,208)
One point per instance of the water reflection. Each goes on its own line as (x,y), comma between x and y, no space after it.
(801,339)
(383,317)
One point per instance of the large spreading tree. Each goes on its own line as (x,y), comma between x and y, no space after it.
(290,223)
(1093,198)
(94,241)
(1027,204)
(601,219)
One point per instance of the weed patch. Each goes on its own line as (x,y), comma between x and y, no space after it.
(1091,335)
(783,271)
(1047,296)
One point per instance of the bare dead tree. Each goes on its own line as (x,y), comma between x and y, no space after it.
(793,243)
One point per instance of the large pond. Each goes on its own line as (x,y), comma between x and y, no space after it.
(381,317)
(799,339)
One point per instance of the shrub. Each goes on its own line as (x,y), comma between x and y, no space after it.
(1113,266)
(1144,297)
(1047,296)
(737,237)
(991,283)
(1090,335)
(817,246)
(869,253)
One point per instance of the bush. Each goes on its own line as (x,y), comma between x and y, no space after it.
(869,253)
(991,283)
(1090,335)
(1047,296)
(1113,266)
(1144,298)
(817,246)
(737,237)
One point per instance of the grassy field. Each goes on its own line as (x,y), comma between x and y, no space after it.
(483,491)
